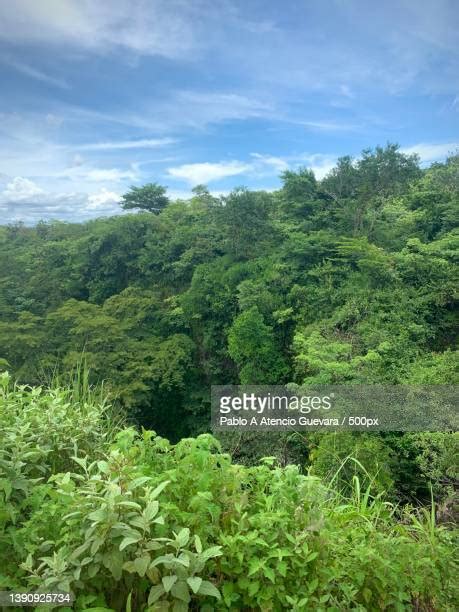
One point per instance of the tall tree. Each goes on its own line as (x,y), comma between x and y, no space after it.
(151,197)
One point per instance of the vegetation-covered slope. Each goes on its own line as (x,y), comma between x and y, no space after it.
(351,279)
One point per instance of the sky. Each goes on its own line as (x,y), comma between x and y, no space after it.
(99,95)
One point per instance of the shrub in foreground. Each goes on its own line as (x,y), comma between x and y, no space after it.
(129,521)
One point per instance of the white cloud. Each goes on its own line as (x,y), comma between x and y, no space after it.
(319,163)
(208,172)
(259,167)
(20,189)
(24,200)
(145,143)
(430,152)
(274,163)
(162,27)
(97,175)
(102,199)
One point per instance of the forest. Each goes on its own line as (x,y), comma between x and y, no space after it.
(113,331)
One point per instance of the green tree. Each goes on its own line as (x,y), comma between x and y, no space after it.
(252,346)
(151,197)
(245,219)
(299,192)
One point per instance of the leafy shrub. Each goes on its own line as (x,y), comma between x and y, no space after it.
(137,523)
(107,537)
(341,456)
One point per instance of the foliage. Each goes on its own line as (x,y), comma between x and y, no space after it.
(151,197)
(348,279)
(252,346)
(139,523)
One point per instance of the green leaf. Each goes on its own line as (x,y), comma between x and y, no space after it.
(194,582)
(81,461)
(98,515)
(183,537)
(153,545)
(213,551)
(158,489)
(114,562)
(254,566)
(130,504)
(180,591)
(282,568)
(311,556)
(183,559)
(96,544)
(207,588)
(81,549)
(168,582)
(141,565)
(129,540)
(151,510)
(254,587)
(103,467)
(155,593)
(138,482)
(269,573)
(367,595)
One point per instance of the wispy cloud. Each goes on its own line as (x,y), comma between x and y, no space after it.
(259,166)
(207,172)
(221,106)
(276,164)
(177,111)
(145,143)
(34,73)
(327,125)
(80,173)
(157,28)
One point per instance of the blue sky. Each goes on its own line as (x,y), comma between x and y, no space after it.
(98,95)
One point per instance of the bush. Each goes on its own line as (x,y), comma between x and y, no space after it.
(136,523)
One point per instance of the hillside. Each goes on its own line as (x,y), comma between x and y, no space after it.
(352,279)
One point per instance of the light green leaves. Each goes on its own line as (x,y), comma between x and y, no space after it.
(155,593)
(155,493)
(151,510)
(182,537)
(195,583)
(127,541)
(168,582)
(141,565)
(207,588)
